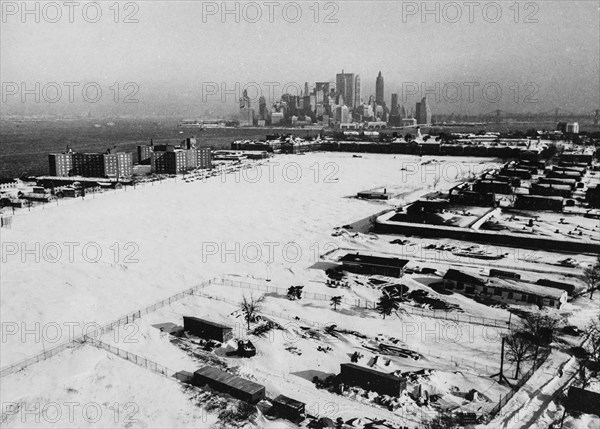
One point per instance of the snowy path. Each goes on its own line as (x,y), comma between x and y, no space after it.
(525,409)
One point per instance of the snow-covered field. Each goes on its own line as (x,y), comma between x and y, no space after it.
(92,261)
(70,267)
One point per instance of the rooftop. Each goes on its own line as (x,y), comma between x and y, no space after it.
(229,379)
(373,260)
(207,322)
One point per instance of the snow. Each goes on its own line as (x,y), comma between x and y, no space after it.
(266,226)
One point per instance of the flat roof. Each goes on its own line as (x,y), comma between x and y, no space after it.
(289,402)
(504,283)
(373,260)
(371,371)
(234,381)
(457,275)
(207,322)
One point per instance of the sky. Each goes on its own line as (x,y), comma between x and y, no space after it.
(191,57)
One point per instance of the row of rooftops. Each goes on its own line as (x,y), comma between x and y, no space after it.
(459,276)
(503,283)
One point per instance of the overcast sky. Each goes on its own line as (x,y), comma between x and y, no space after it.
(177,48)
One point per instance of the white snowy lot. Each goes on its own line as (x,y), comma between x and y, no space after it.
(72,267)
(92,261)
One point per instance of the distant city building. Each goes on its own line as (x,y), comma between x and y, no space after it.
(395,119)
(348,86)
(342,114)
(356,98)
(109,164)
(568,127)
(423,112)
(61,164)
(176,161)
(144,153)
(276,118)
(246,113)
(262,109)
(379,97)
(409,122)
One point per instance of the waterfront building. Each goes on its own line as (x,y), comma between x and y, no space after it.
(61,164)
(109,164)
(144,153)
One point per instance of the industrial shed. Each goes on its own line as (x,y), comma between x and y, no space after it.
(289,408)
(538,202)
(207,329)
(367,264)
(506,290)
(369,379)
(567,287)
(233,385)
(584,401)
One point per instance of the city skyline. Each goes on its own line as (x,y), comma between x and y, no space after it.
(170,53)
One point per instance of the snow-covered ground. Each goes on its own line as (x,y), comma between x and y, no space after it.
(92,261)
(68,268)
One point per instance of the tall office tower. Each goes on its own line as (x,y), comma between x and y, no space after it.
(395,119)
(423,112)
(379,97)
(356,98)
(262,108)
(346,86)
(246,113)
(245,100)
(306,92)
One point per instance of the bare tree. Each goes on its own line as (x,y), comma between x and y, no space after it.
(591,277)
(540,329)
(444,420)
(251,307)
(589,367)
(520,349)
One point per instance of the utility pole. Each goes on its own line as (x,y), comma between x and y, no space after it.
(500,374)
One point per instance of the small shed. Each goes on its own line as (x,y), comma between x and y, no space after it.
(207,329)
(289,409)
(370,379)
(233,385)
(584,401)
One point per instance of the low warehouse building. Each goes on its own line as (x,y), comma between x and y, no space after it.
(503,290)
(289,408)
(583,401)
(367,264)
(538,202)
(233,385)
(206,329)
(369,379)
(567,287)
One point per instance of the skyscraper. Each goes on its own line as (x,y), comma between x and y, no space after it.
(423,112)
(262,108)
(379,97)
(356,97)
(246,113)
(395,119)
(346,86)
